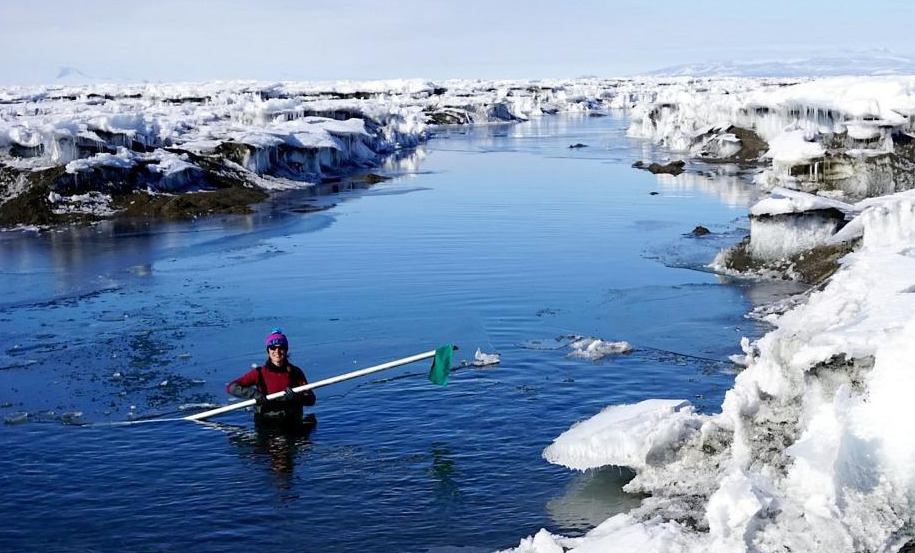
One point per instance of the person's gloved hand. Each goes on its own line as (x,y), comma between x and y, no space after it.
(290,395)
(258,398)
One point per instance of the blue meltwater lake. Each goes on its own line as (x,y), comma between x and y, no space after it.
(500,238)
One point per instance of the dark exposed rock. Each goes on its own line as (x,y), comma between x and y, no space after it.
(235,199)
(653,193)
(700,231)
(820,263)
(357,95)
(578,145)
(672,168)
(30,207)
(751,145)
(235,152)
(373,178)
(448,117)
(187,100)
(811,267)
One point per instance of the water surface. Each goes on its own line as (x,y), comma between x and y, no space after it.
(500,238)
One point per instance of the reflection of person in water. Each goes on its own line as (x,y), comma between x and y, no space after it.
(279,446)
(276,375)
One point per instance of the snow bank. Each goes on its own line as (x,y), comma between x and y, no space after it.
(812,450)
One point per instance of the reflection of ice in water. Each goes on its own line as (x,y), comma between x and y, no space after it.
(405,162)
(593,497)
(730,188)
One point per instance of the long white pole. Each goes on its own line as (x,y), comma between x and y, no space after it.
(318,384)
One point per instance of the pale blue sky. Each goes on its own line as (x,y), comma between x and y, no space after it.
(173,40)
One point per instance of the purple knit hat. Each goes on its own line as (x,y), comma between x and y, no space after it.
(277,338)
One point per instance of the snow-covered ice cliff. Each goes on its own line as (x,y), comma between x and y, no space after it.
(60,143)
(811,450)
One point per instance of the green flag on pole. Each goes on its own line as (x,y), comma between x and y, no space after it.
(441,365)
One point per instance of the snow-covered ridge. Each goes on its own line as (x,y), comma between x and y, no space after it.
(836,134)
(174,138)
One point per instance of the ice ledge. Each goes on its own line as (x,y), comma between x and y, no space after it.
(634,436)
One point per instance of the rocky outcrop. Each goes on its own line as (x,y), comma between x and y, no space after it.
(673,168)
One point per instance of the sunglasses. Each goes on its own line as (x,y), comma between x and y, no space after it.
(274,348)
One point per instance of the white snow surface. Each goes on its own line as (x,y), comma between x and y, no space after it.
(624,435)
(783,200)
(793,146)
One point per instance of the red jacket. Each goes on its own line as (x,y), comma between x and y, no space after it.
(276,380)
(270,379)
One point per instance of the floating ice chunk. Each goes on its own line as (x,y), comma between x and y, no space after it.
(594,349)
(73,417)
(16,418)
(481,359)
(634,436)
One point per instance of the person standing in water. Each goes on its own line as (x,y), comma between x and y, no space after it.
(276,375)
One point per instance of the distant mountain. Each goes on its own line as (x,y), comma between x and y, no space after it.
(878,62)
(71,73)
(67,75)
